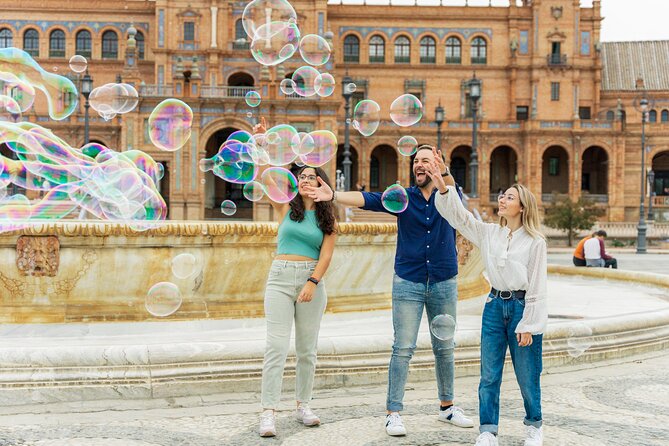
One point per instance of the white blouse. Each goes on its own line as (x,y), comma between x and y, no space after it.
(513,260)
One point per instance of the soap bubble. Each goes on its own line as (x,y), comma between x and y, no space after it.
(170,124)
(10,111)
(18,90)
(407,145)
(252,99)
(442,327)
(366,117)
(228,207)
(78,63)
(579,339)
(234,162)
(274,43)
(324,148)
(324,85)
(314,49)
(287,86)
(163,299)
(305,80)
(184,265)
(279,143)
(350,88)
(279,184)
(395,199)
(253,191)
(406,110)
(260,12)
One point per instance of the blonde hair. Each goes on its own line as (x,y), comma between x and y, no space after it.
(530,215)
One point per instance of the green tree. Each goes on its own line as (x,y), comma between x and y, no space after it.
(570,216)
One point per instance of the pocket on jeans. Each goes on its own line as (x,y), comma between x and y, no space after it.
(488,299)
(521,302)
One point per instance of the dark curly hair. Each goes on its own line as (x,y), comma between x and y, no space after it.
(325,210)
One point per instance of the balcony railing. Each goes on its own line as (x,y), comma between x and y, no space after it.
(479,60)
(556,59)
(428,59)
(159,91)
(661,201)
(353,58)
(402,59)
(241,45)
(453,60)
(550,198)
(377,59)
(597,198)
(209,91)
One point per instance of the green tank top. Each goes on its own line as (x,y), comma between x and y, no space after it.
(302,238)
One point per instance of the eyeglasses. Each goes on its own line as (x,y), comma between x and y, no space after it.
(307,177)
(507,197)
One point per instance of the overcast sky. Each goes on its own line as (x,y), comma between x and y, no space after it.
(624,19)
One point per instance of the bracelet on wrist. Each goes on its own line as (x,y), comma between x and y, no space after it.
(334,195)
(313,280)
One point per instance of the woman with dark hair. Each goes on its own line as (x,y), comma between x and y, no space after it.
(295,292)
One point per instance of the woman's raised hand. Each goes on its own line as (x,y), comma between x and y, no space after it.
(434,172)
(320,193)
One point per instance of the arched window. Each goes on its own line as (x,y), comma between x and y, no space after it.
(57,43)
(377,50)
(351,49)
(402,50)
(6,38)
(453,50)
(109,45)
(665,115)
(139,38)
(479,51)
(610,116)
(83,43)
(31,42)
(240,33)
(652,116)
(428,50)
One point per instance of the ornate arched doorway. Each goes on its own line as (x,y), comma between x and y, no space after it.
(216,190)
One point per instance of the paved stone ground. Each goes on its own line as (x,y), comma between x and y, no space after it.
(652,263)
(625,403)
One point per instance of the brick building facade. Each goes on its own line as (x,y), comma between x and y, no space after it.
(557,110)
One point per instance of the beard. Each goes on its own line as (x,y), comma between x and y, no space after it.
(422,183)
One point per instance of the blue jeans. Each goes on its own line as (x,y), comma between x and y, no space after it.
(409,299)
(500,318)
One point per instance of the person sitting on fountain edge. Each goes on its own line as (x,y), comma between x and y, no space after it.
(426,266)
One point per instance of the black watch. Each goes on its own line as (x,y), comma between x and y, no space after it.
(313,280)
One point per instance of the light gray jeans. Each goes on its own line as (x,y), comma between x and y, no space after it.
(597,263)
(285,281)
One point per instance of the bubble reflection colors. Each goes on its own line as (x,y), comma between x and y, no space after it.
(442,327)
(279,184)
(406,110)
(260,12)
(163,299)
(228,207)
(305,80)
(78,63)
(253,191)
(366,117)
(314,49)
(324,148)
(395,199)
(170,124)
(252,99)
(324,85)
(185,265)
(274,43)
(61,94)
(407,145)
(287,86)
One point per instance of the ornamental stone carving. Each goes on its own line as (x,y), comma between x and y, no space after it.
(37,256)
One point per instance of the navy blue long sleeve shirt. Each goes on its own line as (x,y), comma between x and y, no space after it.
(425,241)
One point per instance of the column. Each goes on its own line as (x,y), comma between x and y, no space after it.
(214,14)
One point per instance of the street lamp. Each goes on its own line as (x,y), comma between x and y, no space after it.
(439,119)
(641,227)
(86,88)
(474,85)
(651,187)
(347,93)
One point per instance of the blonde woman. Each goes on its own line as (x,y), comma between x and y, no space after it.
(515,313)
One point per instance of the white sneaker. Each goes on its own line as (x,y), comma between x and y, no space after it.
(304,415)
(487,439)
(534,436)
(267,427)
(394,425)
(456,416)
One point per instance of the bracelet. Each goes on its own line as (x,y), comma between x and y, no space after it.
(313,280)
(447,173)
(334,196)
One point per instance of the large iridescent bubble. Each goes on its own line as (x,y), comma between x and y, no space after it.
(279,143)
(366,117)
(314,49)
(406,110)
(324,85)
(279,184)
(61,94)
(305,80)
(275,42)
(17,89)
(260,12)
(324,148)
(170,124)
(395,199)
